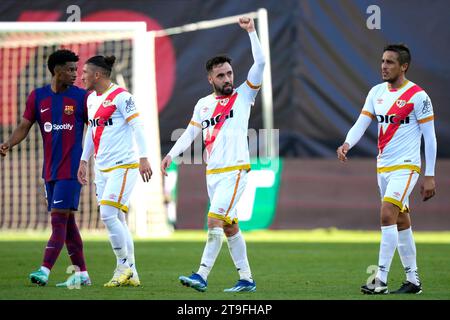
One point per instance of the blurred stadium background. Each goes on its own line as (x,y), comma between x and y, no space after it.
(324,60)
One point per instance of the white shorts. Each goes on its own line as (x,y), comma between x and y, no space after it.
(114,187)
(396,186)
(224,191)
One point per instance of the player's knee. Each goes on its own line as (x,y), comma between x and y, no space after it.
(403,222)
(403,226)
(230,230)
(215,223)
(108,213)
(389,214)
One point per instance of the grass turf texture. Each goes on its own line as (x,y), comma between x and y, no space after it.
(287,265)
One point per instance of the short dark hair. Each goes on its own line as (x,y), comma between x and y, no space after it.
(404,55)
(59,58)
(106,63)
(214,61)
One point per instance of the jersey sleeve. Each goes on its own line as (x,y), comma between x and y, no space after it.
(196,121)
(193,129)
(30,108)
(126,105)
(251,86)
(423,108)
(368,108)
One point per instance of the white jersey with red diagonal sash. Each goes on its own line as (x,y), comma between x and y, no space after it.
(109,116)
(399,112)
(224,122)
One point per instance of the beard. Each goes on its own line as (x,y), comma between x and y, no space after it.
(391,79)
(225,90)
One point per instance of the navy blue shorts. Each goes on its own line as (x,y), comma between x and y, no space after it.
(63,194)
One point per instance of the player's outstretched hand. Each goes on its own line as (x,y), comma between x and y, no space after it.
(4,148)
(82,173)
(428,188)
(145,170)
(342,152)
(247,23)
(165,164)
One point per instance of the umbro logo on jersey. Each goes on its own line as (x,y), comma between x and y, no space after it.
(112,196)
(43,110)
(380,101)
(391,118)
(216,120)
(99,122)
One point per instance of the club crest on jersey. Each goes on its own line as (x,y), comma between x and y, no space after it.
(107,103)
(400,103)
(69,110)
(223,102)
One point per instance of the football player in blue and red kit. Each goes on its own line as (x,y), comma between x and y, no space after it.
(60,111)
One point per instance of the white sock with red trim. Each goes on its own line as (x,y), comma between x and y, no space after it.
(211,251)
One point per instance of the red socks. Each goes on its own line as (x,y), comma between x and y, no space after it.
(64,230)
(57,239)
(75,244)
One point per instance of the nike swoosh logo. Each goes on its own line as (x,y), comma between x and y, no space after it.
(43,110)
(55,202)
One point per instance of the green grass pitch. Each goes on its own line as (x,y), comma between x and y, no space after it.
(287,265)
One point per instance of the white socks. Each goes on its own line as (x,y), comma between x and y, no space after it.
(389,241)
(407,252)
(45,270)
(117,233)
(130,244)
(238,251)
(211,251)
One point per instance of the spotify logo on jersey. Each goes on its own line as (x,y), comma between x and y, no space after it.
(47,127)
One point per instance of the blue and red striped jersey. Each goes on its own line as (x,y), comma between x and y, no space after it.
(61,118)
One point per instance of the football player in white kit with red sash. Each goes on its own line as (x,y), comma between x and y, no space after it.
(405,114)
(115,128)
(222,117)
